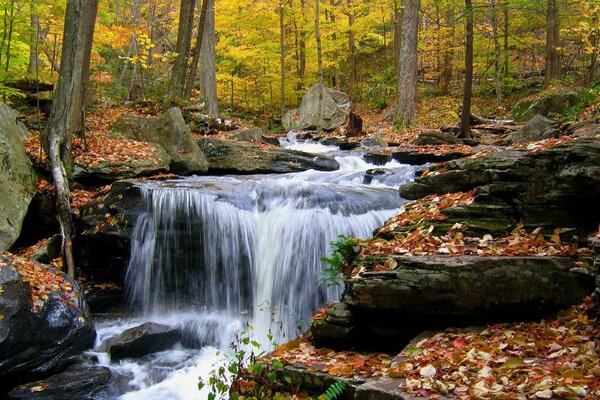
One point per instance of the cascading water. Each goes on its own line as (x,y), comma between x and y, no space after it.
(209,252)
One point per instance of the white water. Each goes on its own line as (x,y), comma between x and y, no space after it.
(211,254)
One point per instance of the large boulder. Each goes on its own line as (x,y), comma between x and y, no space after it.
(435,138)
(555,187)
(77,382)
(334,110)
(434,292)
(16,177)
(112,170)
(537,128)
(233,157)
(41,330)
(169,131)
(141,340)
(551,103)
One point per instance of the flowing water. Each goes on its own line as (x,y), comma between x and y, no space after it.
(211,254)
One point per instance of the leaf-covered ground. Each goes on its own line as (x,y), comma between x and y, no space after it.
(549,359)
(413,232)
(555,359)
(41,281)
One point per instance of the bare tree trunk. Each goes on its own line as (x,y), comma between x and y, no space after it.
(189,86)
(506,47)
(79,25)
(465,125)
(397,33)
(407,76)
(497,53)
(552,41)
(352,50)
(208,66)
(319,60)
(282,55)
(184,40)
(34,39)
(10,33)
(448,53)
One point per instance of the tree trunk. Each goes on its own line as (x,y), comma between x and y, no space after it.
(497,53)
(189,86)
(319,61)
(79,25)
(208,67)
(552,41)
(506,47)
(407,76)
(34,42)
(184,41)
(397,34)
(282,56)
(352,51)
(465,125)
(448,54)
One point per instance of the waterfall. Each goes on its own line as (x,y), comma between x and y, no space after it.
(209,254)
(249,244)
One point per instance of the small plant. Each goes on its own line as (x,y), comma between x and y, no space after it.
(245,374)
(342,251)
(334,391)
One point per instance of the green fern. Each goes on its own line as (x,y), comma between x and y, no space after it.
(334,391)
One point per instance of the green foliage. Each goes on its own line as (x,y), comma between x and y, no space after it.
(334,391)
(245,373)
(381,88)
(341,251)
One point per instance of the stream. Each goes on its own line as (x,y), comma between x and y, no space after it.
(214,254)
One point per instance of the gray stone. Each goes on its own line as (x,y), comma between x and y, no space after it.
(555,103)
(79,382)
(372,143)
(253,135)
(169,131)
(334,110)
(290,120)
(115,170)
(141,340)
(538,128)
(435,138)
(226,156)
(471,288)
(16,177)
(556,187)
(36,344)
(386,388)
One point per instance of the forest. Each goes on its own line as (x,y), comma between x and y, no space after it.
(294,199)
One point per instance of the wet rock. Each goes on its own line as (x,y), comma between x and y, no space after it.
(16,177)
(557,187)
(169,131)
(80,382)
(435,138)
(231,157)
(141,340)
(473,289)
(48,251)
(537,128)
(110,171)
(372,143)
(37,344)
(334,110)
(419,158)
(104,297)
(105,227)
